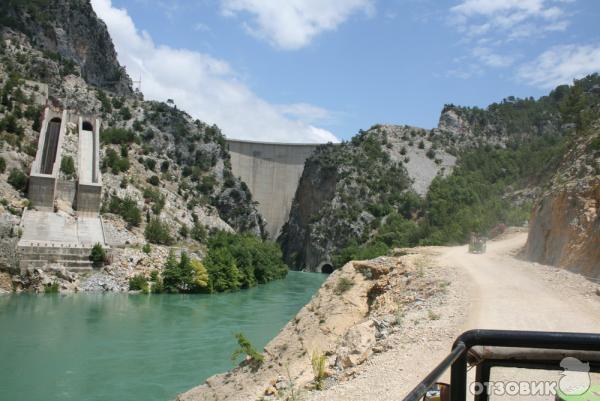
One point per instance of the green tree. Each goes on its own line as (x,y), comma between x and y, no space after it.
(157,232)
(67,166)
(98,255)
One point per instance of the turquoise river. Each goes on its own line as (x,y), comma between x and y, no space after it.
(119,347)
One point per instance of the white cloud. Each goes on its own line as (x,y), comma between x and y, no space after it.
(206,87)
(515,18)
(293,24)
(489,58)
(560,65)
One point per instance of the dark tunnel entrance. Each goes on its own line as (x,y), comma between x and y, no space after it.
(50,146)
(87,126)
(327,268)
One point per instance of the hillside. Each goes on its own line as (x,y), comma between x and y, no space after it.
(160,167)
(492,164)
(565,222)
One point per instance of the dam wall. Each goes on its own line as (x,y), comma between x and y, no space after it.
(272,172)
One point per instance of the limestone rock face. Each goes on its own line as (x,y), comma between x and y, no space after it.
(343,188)
(565,223)
(71,29)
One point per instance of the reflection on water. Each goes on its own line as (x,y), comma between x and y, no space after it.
(134,347)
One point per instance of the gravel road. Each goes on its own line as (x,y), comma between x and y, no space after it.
(495,290)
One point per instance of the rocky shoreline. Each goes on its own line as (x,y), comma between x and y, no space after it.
(362,311)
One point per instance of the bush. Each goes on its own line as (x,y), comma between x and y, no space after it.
(150,163)
(157,232)
(17,179)
(318,361)
(430,154)
(356,252)
(116,163)
(421,145)
(246,348)
(2,165)
(198,232)
(146,248)
(51,288)
(126,208)
(154,180)
(343,285)
(67,166)
(138,283)
(117,136)
(98,255)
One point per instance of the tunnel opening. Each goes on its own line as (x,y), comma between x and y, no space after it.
(326,268)
(87,126)
(50,145)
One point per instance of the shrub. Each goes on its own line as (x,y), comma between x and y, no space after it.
(67,166)
(17,179)
(150,163)
(2,165)
(138,283)
(157,232)
(125,113)
(117,136)
(126,208)
(154,180)
(199,232)
(146,248)
(343,285)
(430,153)
(51,288)
(98,255)
(164,166)
(246,348)
(318,365)
(421,145)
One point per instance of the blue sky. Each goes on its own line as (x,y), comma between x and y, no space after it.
(319,70)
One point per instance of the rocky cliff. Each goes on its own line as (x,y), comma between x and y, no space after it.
(565,222)
(68,31)
(480,168)
(348,191)
(157,161)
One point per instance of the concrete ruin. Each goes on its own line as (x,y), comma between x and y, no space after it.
(272,172)
(53,237)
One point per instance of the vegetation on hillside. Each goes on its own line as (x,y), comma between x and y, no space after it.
(474,197)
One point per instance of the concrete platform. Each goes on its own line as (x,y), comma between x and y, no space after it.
(47,229)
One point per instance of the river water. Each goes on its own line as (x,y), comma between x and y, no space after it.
(119,347)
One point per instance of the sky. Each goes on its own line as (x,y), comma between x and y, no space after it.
(319,70)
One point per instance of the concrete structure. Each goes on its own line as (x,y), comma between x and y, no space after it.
(58,239)
(89,186)
(44,183)
(46,166)
(272,172)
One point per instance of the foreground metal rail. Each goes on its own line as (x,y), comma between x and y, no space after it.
(457,359)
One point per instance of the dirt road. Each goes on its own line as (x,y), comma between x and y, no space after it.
(508,293)
(494,290)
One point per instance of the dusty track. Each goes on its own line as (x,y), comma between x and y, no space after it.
(494,290)
(508,293)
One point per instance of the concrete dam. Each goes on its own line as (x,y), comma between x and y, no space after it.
(272,172)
